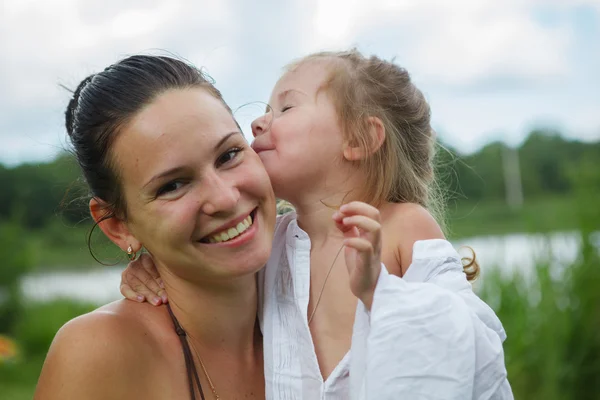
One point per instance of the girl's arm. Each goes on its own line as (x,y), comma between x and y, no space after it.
(417,341)
(413,340)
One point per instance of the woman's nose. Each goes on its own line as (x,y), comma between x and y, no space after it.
(223,197)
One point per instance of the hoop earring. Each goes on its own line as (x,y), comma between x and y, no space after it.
(132,255)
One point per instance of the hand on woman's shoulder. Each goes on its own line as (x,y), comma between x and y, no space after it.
(95,356)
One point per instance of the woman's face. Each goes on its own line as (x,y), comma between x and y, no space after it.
(198,198)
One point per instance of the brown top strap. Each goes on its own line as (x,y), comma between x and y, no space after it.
(190,366)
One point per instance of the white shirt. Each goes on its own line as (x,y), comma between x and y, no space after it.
(428,336)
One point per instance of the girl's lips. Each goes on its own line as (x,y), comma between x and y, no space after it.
(260,148)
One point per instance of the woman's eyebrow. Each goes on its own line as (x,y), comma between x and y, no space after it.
(225,138)
(169,172)
(176,170)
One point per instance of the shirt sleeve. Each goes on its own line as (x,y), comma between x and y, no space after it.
(416,343)
(437,262)
(426,333)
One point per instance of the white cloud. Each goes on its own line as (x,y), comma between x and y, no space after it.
(47,43)
(456,43)
(461,53)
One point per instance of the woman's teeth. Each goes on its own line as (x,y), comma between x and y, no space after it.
(231,232)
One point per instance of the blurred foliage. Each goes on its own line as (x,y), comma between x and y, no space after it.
(44,190)
(546,161)
(33,332)
(39,323)
(16,261)
(553,321)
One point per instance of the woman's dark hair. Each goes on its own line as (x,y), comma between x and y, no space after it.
(105,102)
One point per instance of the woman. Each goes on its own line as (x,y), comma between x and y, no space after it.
(168,168)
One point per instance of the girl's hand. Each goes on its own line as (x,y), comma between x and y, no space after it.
(360,224)
(141,282)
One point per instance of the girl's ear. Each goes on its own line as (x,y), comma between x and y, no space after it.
(114,228)
(376,137)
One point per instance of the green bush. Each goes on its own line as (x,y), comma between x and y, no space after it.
(34,331)
(553,346)
(553,321)
(16,262)
(39,322)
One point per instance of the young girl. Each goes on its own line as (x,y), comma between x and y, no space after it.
(341,128)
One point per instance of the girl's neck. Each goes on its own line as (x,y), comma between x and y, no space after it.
(315,215)
(216,316)
(316,220)
(316,205)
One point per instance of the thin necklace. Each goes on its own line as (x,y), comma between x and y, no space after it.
(212,387)
(323,287)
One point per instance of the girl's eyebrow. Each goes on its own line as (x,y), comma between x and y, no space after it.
(287,92)
(282,95)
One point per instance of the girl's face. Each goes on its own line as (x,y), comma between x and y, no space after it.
(299,139)
(198,198)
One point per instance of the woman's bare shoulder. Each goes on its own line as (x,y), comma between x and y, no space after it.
(99,354)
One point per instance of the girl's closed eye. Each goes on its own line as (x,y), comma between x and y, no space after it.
(285,108)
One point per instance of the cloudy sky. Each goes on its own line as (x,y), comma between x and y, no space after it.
(490,69)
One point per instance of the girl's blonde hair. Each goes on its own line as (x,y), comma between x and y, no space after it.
(402,169)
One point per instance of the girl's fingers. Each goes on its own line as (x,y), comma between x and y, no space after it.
(338,216)
(347,230)
(156,285)
(360,244)
(148,264)
(130,294)
(339,223)
(144,284)
(362,222)
(360,208)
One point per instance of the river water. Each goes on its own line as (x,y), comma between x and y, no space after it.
(508,252)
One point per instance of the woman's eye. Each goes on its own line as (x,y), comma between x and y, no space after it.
(228,156)
(169,187)
(285,108)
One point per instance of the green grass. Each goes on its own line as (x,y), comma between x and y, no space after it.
(18,379)
(33,332)
(466,219)
(553,346)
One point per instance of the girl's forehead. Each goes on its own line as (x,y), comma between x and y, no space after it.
(308,76)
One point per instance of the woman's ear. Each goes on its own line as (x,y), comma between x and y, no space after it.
(376,132)
(113,227)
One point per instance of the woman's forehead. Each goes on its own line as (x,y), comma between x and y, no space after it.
(181,125)
(181,107)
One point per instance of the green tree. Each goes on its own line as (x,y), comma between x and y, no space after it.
(16,262)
